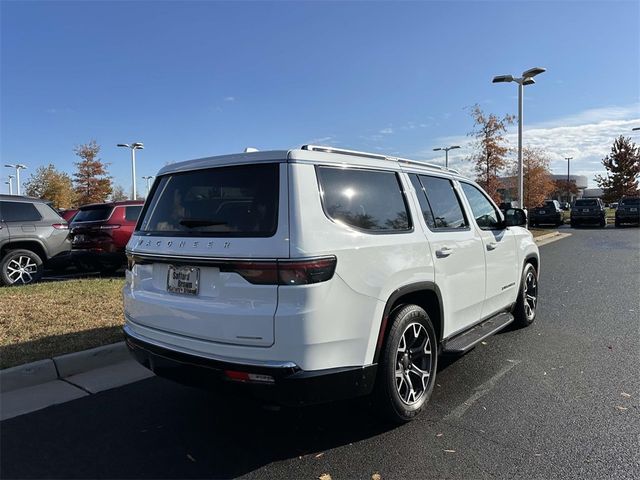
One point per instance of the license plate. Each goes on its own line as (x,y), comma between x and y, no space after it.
(79,238)
(183,280)
(542,212)
(585,209)
(633,209)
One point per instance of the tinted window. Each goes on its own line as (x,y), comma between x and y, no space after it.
(586,203)
(444,203)
(483,211)
(131,214)
(93,214)
(364,199)
(422,199)
(19,212)
(630,201)
(226,201)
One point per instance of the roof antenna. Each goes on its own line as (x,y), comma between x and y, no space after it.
(250,149)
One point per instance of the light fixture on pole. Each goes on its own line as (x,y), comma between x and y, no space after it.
(568,159)
(446,153)
(147,178)
(10,183)
(635,129)
(133,146)
(525,79)
(18,167)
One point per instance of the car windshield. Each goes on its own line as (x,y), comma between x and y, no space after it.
(225,201)
(586,203)
(630,201)
(94,213)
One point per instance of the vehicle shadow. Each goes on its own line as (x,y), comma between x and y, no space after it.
(158,429)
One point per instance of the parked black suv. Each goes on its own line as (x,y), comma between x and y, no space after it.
(31,234)
(549,213)
(628,211)
(588,210)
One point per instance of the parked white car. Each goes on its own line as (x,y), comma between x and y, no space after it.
(316,274)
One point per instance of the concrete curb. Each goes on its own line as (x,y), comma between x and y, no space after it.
(550,237)
(62,366)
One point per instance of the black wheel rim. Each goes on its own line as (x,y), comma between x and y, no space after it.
(414,364)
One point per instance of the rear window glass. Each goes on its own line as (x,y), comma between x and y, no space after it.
(364,199)
(226,201)
(19,212)
(586,203)
(93,214)
(630,201)
(131,214)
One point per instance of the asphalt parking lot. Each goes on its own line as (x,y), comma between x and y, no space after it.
(557,400)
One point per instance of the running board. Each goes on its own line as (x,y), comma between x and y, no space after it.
(468,339)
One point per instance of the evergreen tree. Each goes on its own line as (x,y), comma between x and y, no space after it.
(623,170)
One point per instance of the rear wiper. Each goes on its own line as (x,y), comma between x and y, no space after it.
(198,222)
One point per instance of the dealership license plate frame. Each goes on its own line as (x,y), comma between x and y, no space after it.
(191,283)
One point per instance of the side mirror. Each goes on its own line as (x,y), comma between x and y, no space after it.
(515,217)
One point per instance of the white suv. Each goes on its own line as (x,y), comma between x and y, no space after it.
(316,273)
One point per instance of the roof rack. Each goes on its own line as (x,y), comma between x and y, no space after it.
(355,153)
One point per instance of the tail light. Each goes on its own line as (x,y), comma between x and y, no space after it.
(109,227)
(284,272)
(60,226)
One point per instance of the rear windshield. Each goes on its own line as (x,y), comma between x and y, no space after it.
(217,202)
(630,201)
(93,213)
(586,203)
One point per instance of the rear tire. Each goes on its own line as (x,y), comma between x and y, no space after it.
(603,223)
(526,306)
(408,365)
(20,267)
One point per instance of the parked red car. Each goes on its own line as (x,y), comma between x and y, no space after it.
(68,214)
(100,234)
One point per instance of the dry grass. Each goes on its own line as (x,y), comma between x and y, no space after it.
(47,319)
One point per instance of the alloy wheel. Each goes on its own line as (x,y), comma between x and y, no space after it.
(530,295)
(414,363)
(22,269)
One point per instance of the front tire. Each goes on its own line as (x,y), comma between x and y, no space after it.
(526,306)
(408,365)
(20,267)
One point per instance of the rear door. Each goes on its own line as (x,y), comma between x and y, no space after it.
(4,231)
(499,251)
(21,219)
(205,248)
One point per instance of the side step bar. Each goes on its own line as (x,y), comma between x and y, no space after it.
(468,339)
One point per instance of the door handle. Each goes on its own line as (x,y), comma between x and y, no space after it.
(444,252)
(492,246)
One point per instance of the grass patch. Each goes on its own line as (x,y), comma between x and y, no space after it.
(52,318)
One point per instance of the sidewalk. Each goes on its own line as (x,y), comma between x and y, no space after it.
(37,385)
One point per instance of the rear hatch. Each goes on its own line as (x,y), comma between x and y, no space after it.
(88,227)
(586,207)
(204,253)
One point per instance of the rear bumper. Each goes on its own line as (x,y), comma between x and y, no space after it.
(550,218)
(98,255)
(290,386)
(587,218)
(628,218)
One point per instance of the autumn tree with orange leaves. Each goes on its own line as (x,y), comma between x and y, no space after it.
(537,179)
(490,149)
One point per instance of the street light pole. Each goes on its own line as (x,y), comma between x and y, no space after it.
(446,153)
(568,159)
(133,146)
(18,167)
(147,178)
(525,79)
(10,183)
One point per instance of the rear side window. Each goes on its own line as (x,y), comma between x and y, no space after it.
(444,204)
(586,203)
(131,214)
(238,201)
(93,214)
(19,212)
(365,199)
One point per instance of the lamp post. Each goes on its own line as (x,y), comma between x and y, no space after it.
(634,129)
(446,153)
(133,146)
(18,167)
(525,79)
(147,178)
(10,183)
(568,159)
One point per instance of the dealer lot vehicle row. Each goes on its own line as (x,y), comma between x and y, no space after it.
(315,274)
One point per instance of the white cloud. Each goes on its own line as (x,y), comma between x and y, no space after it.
(386,131)
(229,99)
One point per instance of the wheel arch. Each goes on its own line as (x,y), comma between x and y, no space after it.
(34,245)
(424,294)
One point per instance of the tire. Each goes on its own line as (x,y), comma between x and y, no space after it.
(20,267)
(109,269)
(405,380)
(525,309)
(573,224)
(603,223)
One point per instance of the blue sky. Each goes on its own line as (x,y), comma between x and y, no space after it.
(193,79)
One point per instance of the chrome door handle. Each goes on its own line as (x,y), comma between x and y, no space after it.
(492,246)
(444,252)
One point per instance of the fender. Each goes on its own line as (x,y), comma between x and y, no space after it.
(8,242)
(404,290)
